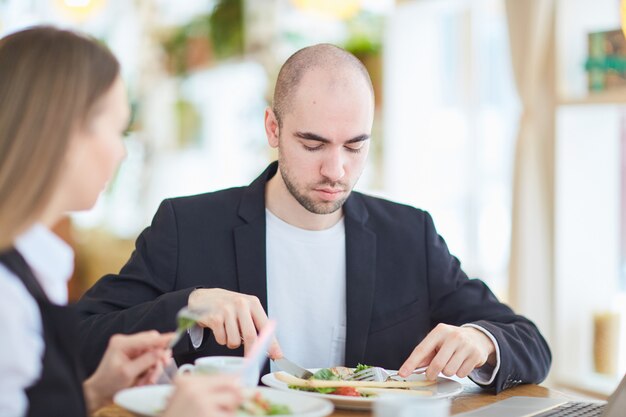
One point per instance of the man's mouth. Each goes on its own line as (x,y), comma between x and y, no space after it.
(329,193)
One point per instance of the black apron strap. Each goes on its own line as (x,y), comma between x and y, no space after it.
(16,263)
(58,391)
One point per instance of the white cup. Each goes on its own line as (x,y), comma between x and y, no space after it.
(389,405)
(426,408)
(405,406)
(223,365)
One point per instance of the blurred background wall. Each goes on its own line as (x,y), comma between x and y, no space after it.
(485,116)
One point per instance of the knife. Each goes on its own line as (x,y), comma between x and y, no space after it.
(256,356)
(291,368)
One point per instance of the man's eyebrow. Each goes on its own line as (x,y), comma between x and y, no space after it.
(359,138)
(318,138)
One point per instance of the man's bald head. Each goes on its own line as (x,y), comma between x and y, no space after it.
(324,56)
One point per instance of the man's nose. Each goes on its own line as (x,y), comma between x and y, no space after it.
(333,166)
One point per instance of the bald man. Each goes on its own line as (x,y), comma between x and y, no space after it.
(349,278)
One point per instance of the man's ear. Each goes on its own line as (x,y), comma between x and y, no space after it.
(271,127)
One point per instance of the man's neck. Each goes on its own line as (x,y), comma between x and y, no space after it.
(283,205)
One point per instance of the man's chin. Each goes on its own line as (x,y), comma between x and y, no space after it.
(325,207)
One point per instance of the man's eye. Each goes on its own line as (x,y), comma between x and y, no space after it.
(312,148)
(355,148)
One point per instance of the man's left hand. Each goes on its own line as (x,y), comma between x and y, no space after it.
(451,350)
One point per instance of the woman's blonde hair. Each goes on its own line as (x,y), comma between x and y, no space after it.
(49,81)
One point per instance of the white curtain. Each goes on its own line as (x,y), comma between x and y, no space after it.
(531,33)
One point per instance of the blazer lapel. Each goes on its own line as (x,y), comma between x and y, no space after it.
(250,238)
(360,278)
(250,252)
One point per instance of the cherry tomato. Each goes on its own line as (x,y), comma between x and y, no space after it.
(348,391)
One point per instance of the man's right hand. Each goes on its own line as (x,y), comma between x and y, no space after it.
(234,318)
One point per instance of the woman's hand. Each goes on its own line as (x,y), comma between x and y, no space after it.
(203,395)
(129,360)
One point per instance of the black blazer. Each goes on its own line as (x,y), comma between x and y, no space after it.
(401,281)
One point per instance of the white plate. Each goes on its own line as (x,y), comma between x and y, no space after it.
(149,400)
(443,388)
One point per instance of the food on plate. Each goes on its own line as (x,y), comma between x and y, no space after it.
(333,381)
(257,405)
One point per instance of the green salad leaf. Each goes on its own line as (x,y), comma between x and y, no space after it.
(185,323)
(278,409)
(325,374)
(320,390)
(360,367)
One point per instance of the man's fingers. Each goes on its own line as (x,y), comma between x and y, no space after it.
(416,360)
(450,350)
(441,359)
(234,318)
(238,319)
(421,354)
(260,320)
(219,332)
(247,330)
(258,314)
(466,368)
(275,351)
(231,325)
(455,362)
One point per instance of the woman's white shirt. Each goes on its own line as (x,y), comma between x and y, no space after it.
(22,346)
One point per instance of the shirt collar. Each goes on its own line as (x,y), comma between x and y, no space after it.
(50,258)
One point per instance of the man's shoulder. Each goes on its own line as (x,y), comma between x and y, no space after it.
(226,199)
(383,208)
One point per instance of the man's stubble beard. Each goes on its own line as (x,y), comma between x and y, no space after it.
(306,202)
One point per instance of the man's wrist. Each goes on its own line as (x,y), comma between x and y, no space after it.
(487,343)
(92,399)
(486,374)
(192,295)
(490,347)
(195,333)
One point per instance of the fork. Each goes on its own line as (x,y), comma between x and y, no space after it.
(378,374)
(185,319)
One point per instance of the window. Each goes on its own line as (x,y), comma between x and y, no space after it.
(450,120)
(589,209)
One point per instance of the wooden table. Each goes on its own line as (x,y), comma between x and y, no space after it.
(471,398)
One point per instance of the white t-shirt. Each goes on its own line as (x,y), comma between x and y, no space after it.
(22,347)
(306,288)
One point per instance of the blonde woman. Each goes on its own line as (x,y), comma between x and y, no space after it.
(63,110)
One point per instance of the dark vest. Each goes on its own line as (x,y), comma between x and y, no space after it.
(59,390)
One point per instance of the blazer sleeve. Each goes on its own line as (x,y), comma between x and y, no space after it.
(455,299)
(141,297)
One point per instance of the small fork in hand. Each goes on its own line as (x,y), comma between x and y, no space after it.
(378,374)
(185,320)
